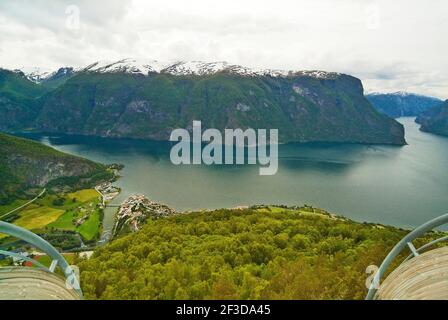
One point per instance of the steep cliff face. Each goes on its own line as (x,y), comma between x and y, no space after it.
(305,107)
(435,120)
(41,170)
(402,104)
(26,164)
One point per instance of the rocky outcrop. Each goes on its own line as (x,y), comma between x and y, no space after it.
(50,168)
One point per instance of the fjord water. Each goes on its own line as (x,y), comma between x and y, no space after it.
(403,186)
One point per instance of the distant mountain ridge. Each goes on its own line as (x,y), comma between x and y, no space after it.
(402,104)
(145,67)
(435,120)
(128,98)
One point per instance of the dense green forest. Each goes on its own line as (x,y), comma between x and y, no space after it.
(256,253)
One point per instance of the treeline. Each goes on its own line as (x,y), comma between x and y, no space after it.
(258,253)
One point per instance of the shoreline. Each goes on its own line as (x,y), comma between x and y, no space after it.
(22,133)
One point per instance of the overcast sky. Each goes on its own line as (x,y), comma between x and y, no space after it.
(392,45)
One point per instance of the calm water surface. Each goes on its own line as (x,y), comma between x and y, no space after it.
(402,186)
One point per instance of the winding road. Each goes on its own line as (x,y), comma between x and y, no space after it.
(23,205)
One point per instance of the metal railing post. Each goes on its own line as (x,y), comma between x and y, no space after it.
(40,243)
(419,231)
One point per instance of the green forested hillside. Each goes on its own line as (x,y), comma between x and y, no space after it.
(435,120)
(25,164)
(257,253)
(302,107)
(16,85)
(19,106)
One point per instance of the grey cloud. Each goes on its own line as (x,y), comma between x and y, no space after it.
(390,45)
(51,14)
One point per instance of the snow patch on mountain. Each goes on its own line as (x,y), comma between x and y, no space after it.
(36,74)
(194,68)
(125,66)
(179,68)
(397,93)
(401,94)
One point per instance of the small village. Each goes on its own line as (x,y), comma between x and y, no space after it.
(107,192)
(135,210)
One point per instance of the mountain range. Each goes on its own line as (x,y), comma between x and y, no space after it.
(402,104)
(141,100)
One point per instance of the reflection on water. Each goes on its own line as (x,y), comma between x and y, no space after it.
(402,186)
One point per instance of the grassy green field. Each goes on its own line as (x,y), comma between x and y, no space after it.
(302,211)
(90,228)
(46,260)
(37,217)
(49,213)
(85,200)
(71,200)
(65,222)
(83,195)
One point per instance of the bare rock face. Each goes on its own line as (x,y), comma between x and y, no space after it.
(135,211)
(49,168)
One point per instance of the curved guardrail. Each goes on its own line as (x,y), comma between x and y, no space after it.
(38,242)
(407,242)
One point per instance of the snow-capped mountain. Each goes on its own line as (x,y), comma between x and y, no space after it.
(175,68)
(396,94)
(36,74)
(192,68)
